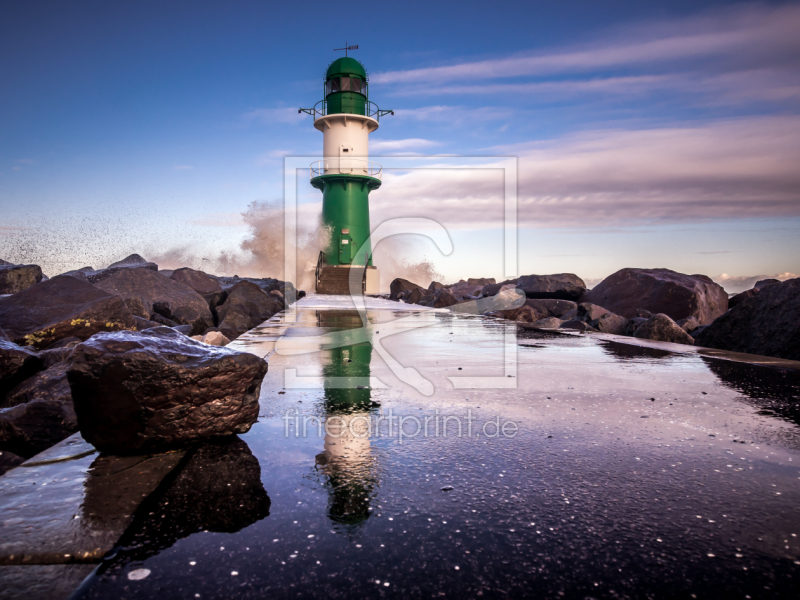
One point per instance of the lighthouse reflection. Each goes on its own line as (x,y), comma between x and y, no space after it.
(347,464)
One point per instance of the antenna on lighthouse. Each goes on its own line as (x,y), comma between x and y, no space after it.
(346,48)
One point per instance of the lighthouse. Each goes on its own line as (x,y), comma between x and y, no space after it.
(345,176)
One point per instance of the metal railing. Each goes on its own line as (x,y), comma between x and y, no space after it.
(320,109)
(346,166)
(320,262)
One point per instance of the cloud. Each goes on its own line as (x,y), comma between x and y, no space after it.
(737,169)
(183,167)
(756,32)
(740,283)
(394,146)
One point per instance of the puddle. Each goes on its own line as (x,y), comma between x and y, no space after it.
(631,472)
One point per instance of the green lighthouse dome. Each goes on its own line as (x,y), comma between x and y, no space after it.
(346,66)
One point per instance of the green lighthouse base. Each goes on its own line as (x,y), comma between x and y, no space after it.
(335,280)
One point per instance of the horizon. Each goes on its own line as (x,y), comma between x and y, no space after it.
(657,136)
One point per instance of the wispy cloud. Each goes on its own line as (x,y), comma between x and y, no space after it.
(400,146)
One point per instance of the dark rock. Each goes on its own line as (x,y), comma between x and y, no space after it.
(610,323)
(548,323)
(765,324)
(54,356)
(50,384)
(526,314)
(762,283)
(67,342)
(200,282)
(570,314)
(301,294)
(81,273)
(491,289)
(158,389)
(660,291)
(6,263)
(591,312)
(15,278)
(162,320)
(577,325)
(59,308)
(734,300)
(134,261)
(698,331)
(550,307)
(9,460)
(644,314)
(247,306)
(142,289)
(401,285)
(415,295)
(142,323)
(163,309)
(562,286)
(34,426)
(184,329)
(279,297)
(443,298)
(634,324)
(16,365)
(435,285)
(662,328)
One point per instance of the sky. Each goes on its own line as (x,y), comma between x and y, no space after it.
(647,134)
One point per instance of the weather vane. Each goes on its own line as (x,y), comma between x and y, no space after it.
(346,48)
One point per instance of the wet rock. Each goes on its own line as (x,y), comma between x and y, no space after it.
(401,285)
(764,324)
(15,278)
(9,460)
(141,323)
(134,261)
(562,286)
(634,324)
(548,323)
(184,329)
(577,325)
(590,312)
(443,298)
(688,325)
(660,291)
(60,308)
(157,389)
(143,291)
(610,323)
(247,306)
(54,356)
(17,363)
(213,338)
(662,328)
(46,418)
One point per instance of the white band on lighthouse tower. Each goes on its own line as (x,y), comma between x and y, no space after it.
(345,143)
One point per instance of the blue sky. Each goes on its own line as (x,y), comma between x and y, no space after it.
(648,134)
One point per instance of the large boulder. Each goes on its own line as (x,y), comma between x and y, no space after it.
(134,261)
(401,285)
(661,328)
(15,278)
(59,308)
(443,298)
(660,291)
(200,282)
(492,289)
(551,307)
(139,392)
(608,322)
(562,286)
(246,306)
(741,297)
(762,283)
(42,414)
(146,293)
(17,363)
(765,324)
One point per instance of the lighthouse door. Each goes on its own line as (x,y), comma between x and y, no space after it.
(345,249)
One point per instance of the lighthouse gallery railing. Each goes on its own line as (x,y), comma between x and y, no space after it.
(320,109)
(346,166)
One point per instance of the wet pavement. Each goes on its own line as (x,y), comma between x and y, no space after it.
(586,468)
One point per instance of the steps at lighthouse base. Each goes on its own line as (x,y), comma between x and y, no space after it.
(335,280)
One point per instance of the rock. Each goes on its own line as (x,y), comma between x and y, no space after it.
(134,261)
(548,323)
(435,285)
(608,322)
(144,291)
(9,460)
(401,285)
(492,289)
(590,312)
(660,291)
(17,363)
(279,297)
(59,308)
(570,314)
(526,314)
(734,300)
(142,323)
(480,281)
(562,286)
(162,320)
(157,389)
(6,263)
(634,324)
(54,356)
(15,278)
(199,281)
(246,307)
(443,298)
(688,325)
(762,283)
(662,328)
(215,338)
(184,329)
(550,307)
(415,295)
(764,324)
(465,291)
(577,325)
(644,314)
(44,418)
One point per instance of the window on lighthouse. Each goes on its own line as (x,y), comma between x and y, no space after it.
(345,84)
